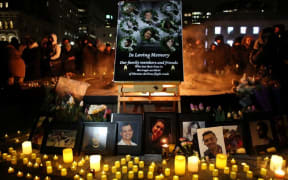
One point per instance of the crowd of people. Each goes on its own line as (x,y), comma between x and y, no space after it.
(30,60)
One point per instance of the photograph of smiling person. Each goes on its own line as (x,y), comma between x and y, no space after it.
(211,141)
(126,133)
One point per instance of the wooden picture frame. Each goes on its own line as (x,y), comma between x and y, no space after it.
(160,128)
(129,129)
(61,135)
(97,140)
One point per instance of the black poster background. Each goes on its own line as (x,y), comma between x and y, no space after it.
(149,41)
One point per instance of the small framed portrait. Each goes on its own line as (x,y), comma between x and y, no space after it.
(211,141)
(129,133)
(281,135)
(38,130)
(188,125)
(61,135)
(160,128)
(97,140)
(261,132)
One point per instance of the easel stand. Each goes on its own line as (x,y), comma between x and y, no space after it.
(148,92)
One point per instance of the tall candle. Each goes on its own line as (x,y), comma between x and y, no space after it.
(276,162)
(221,161)
(27,147)
(180,165)
(67,155)
(95,162)
(193,162)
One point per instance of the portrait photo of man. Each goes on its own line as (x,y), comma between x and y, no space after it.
(212,141)
(126,133)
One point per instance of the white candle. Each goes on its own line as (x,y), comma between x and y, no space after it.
(95,162)
(193,162)
(27,147)
(276,162)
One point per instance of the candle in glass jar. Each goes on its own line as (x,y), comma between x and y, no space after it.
(193,164)
(14,160)
(95,162)
(38,160)
(25,160)
(28,176)
(180,165)
(140,174)
(124,169)
(130,175)
(48,163)
(118,175)
(245,168)
(141,164)
(45,156)
(233,161)
(82,171)
(221,161)
(49,169)
(167,172)
(4,156)
(55,157)
(63,172)
(33,156)
(36,165)
(27,147)
(29,164)
(164,162)
(67,155)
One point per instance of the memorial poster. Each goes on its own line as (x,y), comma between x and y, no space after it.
(149,41)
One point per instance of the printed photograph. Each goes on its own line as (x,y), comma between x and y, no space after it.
(127,132)
(261,133)
(233,138)
(95,138)
(211,141)
(61,138)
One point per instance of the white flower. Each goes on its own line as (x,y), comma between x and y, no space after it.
(94,109)
(71,100)
(81,104)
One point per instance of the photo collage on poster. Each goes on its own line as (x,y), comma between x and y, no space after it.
(145,134)
(149,41)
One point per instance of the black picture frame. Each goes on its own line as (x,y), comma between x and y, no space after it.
(102,142)
(37,132)
(281,135)
(130,122)
(257,142)
(61,135)
(169,131)
(234,136)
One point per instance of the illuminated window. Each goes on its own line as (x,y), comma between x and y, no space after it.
(217,30)
(256,30)
(206,44)
(230,29)
(206,32)
(6,4)
(1,26)
(110,35)
(1,5)
(107,16)
(243,29)
(11,24)
(230,42)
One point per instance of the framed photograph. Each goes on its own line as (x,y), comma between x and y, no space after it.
(61,135)
(97,140)
(160,128)
(262,135)
(281,135)
(38,130)
(211,141)
(129,133)
(188,125)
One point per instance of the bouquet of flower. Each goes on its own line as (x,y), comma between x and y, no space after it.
(185,147)
(97,113)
